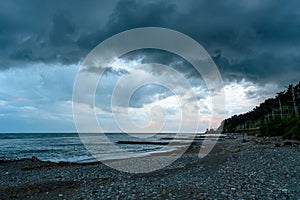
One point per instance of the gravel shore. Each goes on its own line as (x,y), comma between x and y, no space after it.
(233,170)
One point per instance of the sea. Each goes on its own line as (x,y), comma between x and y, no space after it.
(68,147)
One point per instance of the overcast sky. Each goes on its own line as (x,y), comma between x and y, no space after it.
(255,44)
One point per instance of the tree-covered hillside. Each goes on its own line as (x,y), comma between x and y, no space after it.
(282,108)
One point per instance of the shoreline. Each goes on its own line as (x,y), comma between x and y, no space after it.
(234,169)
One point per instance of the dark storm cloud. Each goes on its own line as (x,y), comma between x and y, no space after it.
(255,40)
(130,14)
(164,58)
(47,31)
(62,30)
(260,67)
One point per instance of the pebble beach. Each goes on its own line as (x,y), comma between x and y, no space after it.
(235,169)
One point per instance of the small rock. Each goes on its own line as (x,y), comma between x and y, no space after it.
(284,190)
(237,149)
(34,159)
(60,195)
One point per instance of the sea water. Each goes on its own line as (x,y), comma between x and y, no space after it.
(68,147)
